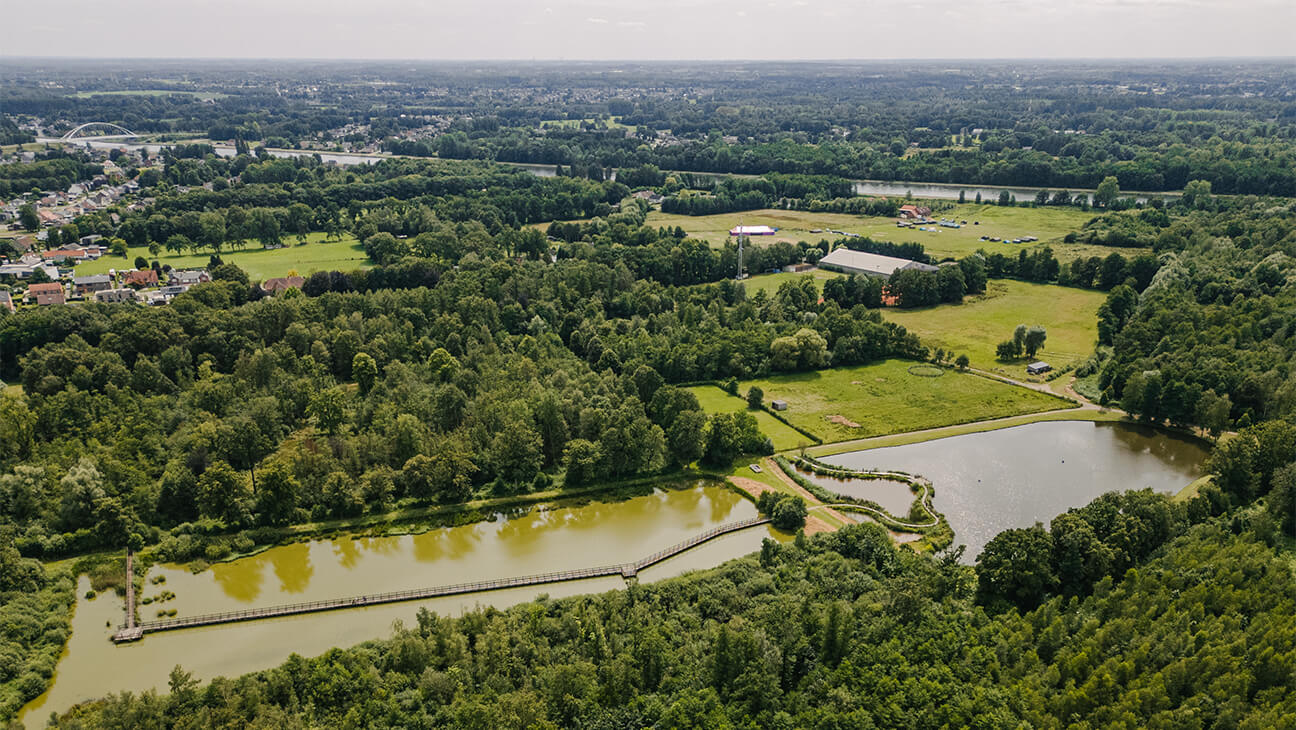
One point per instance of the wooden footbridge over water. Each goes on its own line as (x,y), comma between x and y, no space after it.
(132,631)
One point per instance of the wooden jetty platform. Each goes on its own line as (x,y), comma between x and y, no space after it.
(131,631)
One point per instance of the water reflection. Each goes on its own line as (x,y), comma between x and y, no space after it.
(1014,477)
(537,541)
(292,566)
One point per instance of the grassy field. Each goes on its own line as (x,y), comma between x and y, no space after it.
(1049,225)
(872,400)
(715,400)
(981,322)
(260,264)
(770,283)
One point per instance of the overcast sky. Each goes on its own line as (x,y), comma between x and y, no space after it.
(650,29)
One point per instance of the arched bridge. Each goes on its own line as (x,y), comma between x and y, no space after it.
(116,131)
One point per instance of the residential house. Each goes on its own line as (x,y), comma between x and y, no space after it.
(914,212)
(114,296)
(6,301)
(141,278)
(24,270)
(64,254)
(92,239)
(47,217)
(189,277)
(23,244)
(46,294)
(282,283)
(83,285)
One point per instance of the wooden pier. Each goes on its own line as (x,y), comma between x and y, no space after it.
(131,631)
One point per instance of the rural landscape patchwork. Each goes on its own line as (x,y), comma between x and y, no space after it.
(647,394)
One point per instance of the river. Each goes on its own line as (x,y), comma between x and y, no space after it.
(594,534)
(989,482)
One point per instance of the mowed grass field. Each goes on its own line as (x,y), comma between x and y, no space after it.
(770,283)
(884,398)
(1049,225)
(980,323)
(260,264)
(715,400)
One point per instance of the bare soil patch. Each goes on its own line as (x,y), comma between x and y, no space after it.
(751,486)
(814,526)
(841,421)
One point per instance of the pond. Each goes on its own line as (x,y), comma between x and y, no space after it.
(891,495)
(989,482)
(562,538)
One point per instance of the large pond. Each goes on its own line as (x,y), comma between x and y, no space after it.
(595,534)
(988,482)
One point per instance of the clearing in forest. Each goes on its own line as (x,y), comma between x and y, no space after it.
(1049,225)
(885,398)
(259,263)
(715,400)
(980,323)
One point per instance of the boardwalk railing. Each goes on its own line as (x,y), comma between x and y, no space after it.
(132,631)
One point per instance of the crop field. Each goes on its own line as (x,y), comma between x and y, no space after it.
(316,255)
(981,322)
(885,398)
(715,400)
(1049,225)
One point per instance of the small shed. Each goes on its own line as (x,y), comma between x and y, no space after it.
(778,405)
(1037,368)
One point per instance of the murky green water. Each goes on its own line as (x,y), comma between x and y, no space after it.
(989,482)
(540,541)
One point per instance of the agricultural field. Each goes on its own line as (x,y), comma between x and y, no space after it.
(885,398)
(316,255)
(715,400)
(1049,225)
(981,322)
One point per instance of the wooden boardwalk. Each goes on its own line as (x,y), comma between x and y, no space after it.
(130,631)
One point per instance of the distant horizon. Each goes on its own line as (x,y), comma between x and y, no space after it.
(666,30)
(614,61)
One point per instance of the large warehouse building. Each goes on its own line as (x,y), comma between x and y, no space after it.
(868,264)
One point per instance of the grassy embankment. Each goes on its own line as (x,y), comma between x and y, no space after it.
(316,255)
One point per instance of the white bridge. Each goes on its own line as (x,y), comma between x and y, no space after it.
(116,132)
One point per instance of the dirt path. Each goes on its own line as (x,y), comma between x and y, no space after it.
(810,499)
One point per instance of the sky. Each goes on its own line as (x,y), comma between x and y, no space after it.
(650,29)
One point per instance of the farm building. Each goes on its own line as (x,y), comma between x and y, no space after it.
(914,212)
(868,264)
(752,231)
(1036,368)
(778,405)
